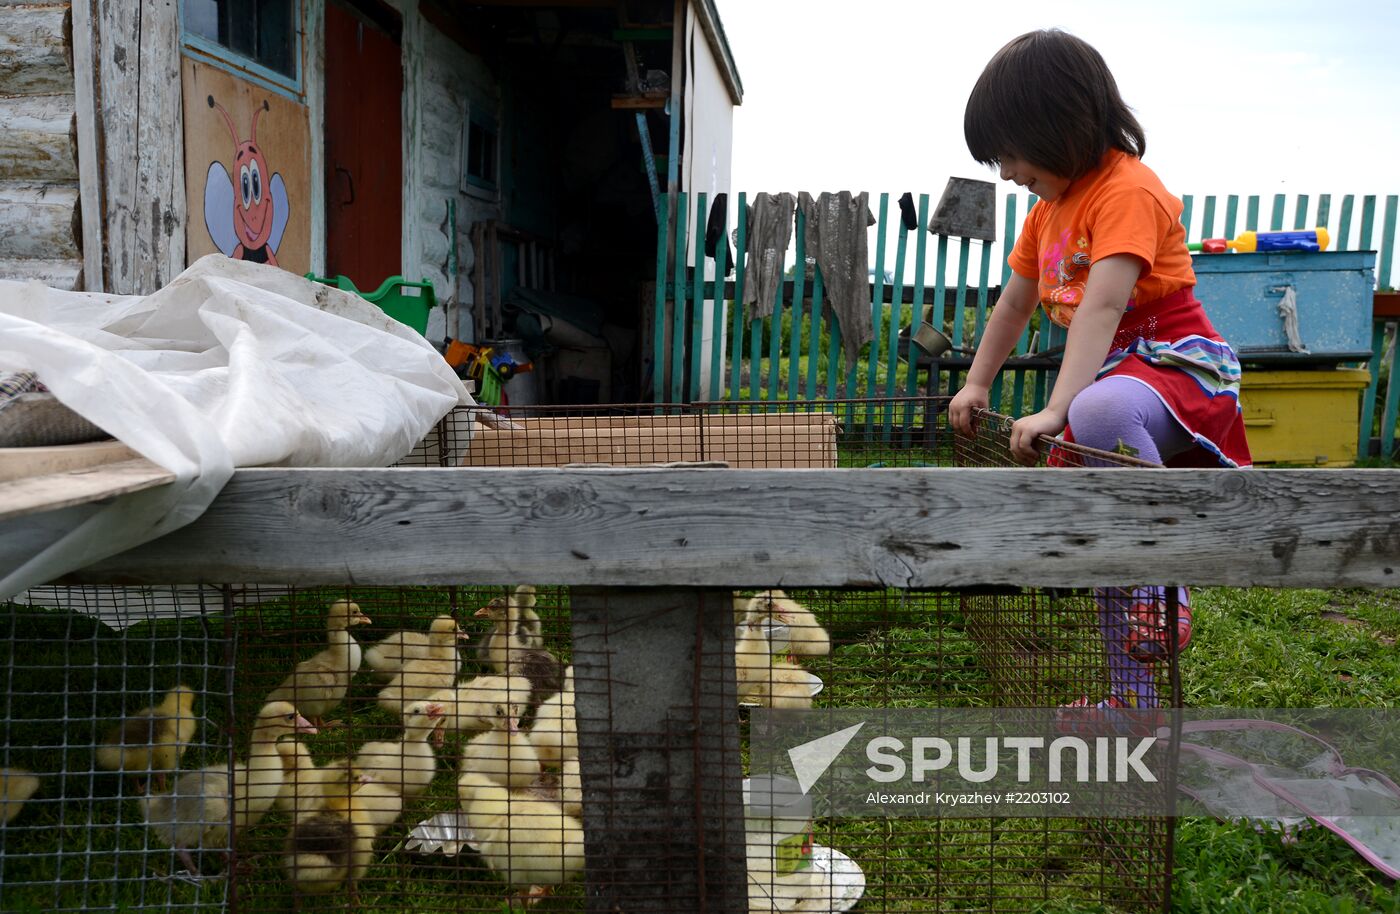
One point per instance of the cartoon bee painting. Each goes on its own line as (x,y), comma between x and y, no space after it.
(246,213)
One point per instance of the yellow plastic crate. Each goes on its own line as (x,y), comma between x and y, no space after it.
(1304,417)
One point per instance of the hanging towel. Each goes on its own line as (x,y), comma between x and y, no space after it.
(836,237)
(770,230)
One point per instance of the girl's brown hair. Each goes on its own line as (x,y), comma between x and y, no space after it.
(1049,98)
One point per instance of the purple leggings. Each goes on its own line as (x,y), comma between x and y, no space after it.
(1105,414)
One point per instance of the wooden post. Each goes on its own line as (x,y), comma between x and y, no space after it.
(658,736)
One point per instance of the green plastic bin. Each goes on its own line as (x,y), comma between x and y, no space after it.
(404,301)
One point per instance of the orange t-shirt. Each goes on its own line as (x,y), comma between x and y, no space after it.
(1120,207)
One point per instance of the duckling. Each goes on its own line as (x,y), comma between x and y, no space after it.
(503,753)
(408,763)
(306,785)
(16,787)
(389,654)
(806,637)
(571,787)
(151,741)
(334,847)
(418,679)
(530,842)
(515,626)
(202,804)
(554,732)
(786,686)
(319,683)
(753,656)
(471,705)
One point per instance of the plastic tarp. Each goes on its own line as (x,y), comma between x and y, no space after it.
(233,364)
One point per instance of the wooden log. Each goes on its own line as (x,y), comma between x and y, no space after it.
(39,221)
(38,138)
(144,152)
(35,51)
(60,274)
(53,491)
(912,528)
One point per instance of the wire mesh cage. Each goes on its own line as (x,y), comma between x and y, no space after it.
(460,748)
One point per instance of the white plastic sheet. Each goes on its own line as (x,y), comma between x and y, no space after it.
(233,364)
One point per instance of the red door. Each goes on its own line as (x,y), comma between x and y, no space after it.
(364,151)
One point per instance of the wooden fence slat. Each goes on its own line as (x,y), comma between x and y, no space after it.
(658,352)
(983,274)
(811,390)
(916,320)
(799,291)
(1276,219)
(1392,397)
(877,301)
(1368,218)
(1207,219)
(1251,213)
(1232,208)
(1186,205)
(695,345)
(717,304)
(1300,214)
(736,346)
(1324,209)
(725,528)
(1368,399)
(895,318)
(1387,248)
(960,302)
(1344,223)
(678,341)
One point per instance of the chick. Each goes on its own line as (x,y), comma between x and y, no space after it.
(319,683)
(406,764)
(530,843)
(16,787)
(471,705)
(151,741)
(418,679)
(806,637)
(554,732)
(333,847)
(514,626)
(305,785)
(388,655)
(203,804)
(503,753)
(753,657)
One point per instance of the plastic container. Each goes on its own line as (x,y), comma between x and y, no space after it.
(404,301)
(777,825)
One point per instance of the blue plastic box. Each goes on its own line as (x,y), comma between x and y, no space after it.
(1241,294)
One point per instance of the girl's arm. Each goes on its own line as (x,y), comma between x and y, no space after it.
(1106,293)
(1009,317)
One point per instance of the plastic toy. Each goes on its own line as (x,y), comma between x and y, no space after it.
(1256,242)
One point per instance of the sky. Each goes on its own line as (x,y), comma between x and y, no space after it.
(1235,96)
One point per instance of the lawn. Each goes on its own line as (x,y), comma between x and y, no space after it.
(68,676)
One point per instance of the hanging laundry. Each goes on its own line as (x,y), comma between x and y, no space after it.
(770,230)
(836,237)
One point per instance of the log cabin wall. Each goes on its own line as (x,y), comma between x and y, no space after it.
(40,216)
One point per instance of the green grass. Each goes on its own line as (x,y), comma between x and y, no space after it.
(68,676)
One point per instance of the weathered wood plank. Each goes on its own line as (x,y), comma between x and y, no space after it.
(38,138)
(754,528)
(34,51)
(89,162)
(143,144)
(39,221)
(61,274)
(54,491)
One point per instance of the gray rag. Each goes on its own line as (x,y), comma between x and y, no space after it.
(770,229)
(836,238)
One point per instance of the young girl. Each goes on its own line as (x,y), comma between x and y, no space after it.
(1104,253)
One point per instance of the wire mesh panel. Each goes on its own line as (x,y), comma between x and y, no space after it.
(389,749)
(109,692)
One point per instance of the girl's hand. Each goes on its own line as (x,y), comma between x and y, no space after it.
(971,397)
(1028,429)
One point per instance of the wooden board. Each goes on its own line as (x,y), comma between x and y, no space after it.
(49,478)
(755,528)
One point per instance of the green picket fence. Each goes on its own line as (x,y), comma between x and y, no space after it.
(705,348)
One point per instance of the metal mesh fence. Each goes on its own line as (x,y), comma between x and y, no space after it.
(348,749)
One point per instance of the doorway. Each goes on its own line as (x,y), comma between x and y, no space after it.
(364,142)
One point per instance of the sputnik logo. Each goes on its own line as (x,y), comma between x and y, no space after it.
(811,759)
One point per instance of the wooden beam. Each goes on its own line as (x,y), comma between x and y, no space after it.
(34,54)
(85,101)
(915,528)
(630,102)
